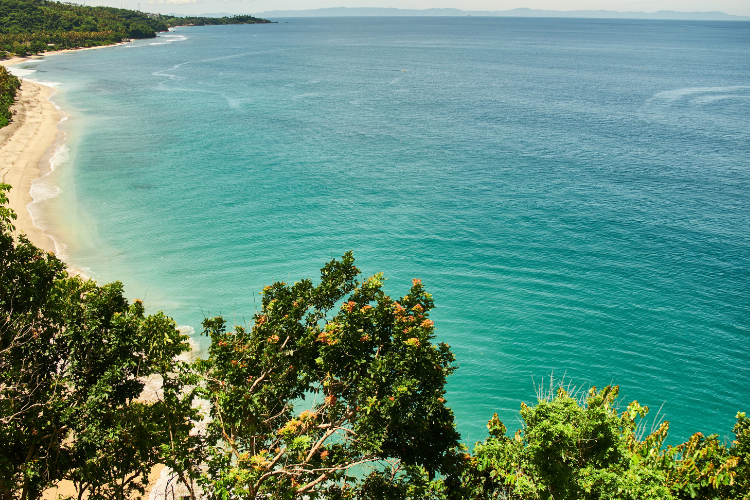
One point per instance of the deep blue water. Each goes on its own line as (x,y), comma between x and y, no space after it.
(574,193)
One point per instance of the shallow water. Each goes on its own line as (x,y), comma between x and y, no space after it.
(574,193)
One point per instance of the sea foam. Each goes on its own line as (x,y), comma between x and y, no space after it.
(699,95)
(20,72)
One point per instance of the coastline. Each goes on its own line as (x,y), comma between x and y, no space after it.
(24,147)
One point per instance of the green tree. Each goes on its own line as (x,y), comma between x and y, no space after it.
(333,383)
(573,448)
(73,356)
(9,85)
(569,449)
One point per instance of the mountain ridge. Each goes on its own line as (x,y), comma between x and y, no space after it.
(519,12)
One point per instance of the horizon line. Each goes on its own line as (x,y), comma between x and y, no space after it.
(661,14)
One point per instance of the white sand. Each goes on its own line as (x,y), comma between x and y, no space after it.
(24,146)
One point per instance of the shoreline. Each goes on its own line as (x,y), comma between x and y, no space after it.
(18,60)
(27,145)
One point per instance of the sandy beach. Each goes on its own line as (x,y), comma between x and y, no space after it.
(26,145)
(24,148)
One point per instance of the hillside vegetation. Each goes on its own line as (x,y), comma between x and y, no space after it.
(35,26)
(9,84)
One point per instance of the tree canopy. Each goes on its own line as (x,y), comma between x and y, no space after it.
(332,380)
(73,356)
(583,448)
(335,391)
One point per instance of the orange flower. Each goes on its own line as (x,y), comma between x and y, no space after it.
(414,342)
(323,337)
(398,311)
(427,323)
(416,282)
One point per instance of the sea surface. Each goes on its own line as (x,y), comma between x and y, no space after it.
(574,193)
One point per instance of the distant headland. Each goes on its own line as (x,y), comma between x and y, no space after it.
(522,12)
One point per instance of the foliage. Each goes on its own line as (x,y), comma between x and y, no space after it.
(72,358)
(368,379)
(35,26)
(337,391)
(741,450)
(570,449)
(704,467)
(9,85)
(209,21)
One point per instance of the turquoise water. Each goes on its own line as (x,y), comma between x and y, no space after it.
(575,193)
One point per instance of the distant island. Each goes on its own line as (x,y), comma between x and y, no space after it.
(600,14)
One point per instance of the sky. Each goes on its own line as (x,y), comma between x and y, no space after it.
(736,7)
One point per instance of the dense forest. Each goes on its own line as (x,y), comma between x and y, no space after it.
(9,84)
(35,26)
(208,21)
(335,391)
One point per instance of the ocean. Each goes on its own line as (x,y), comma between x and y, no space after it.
(574,193)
